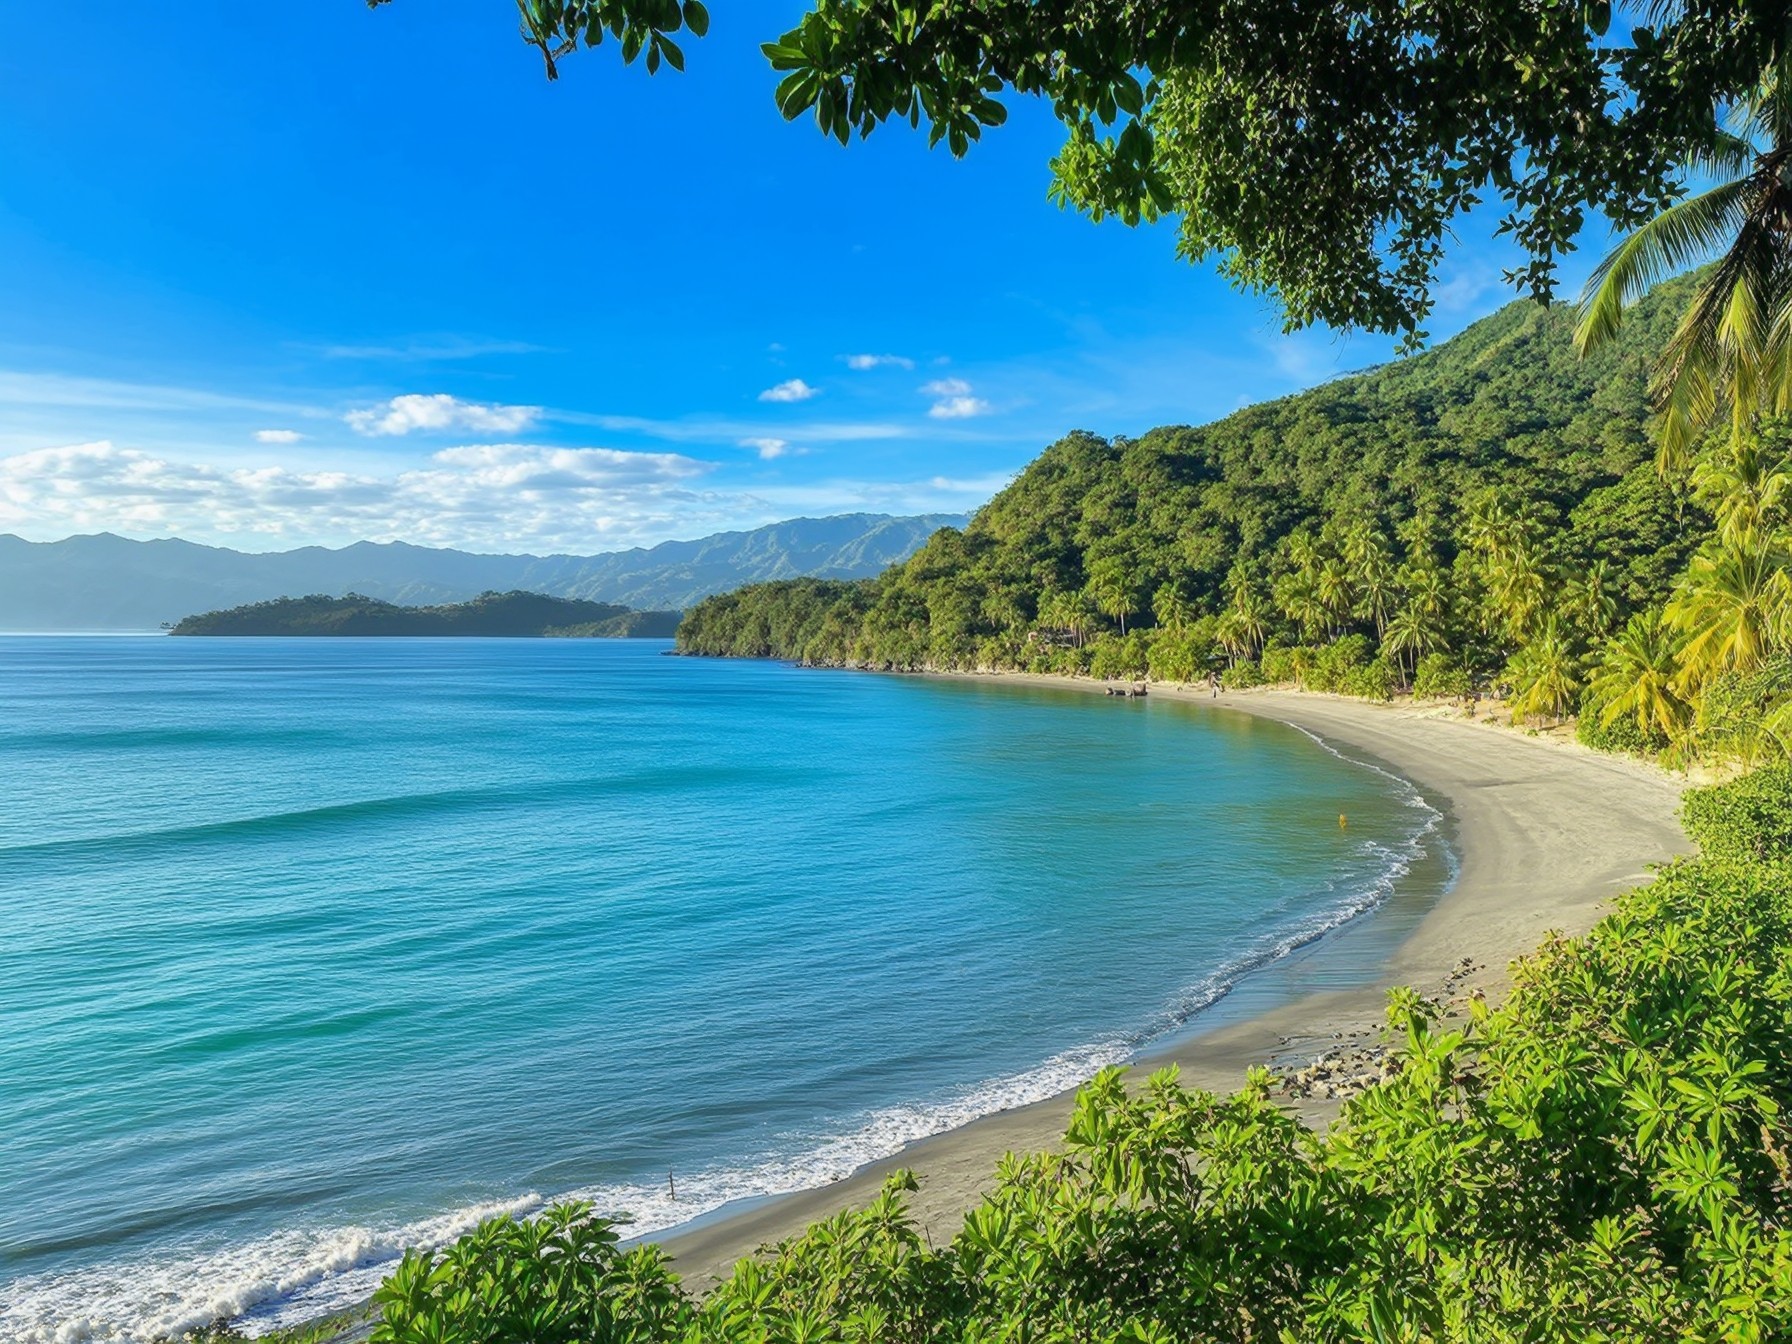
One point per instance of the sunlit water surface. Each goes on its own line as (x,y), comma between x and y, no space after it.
(312,949)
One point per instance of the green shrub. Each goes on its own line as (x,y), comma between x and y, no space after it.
(1242,675)
(326,1330)
(1747,717)
(1278,665)
(1623,734)
(1114,656)
(1331,666)
(1061,662)
(1441,677)
(1377,680)
(1748,819)
(556,1279)
(1181,655)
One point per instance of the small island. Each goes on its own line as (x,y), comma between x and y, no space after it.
(514,615)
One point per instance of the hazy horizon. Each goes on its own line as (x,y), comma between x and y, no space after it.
(276,546)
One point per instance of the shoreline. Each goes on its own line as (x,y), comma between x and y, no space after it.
(1546,832)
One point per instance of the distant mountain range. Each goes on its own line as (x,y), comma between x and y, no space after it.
(106,582)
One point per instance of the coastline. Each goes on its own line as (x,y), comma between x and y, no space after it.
(1546,832)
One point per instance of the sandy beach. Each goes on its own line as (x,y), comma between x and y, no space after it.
(1546,832)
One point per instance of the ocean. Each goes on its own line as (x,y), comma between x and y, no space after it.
(311,950)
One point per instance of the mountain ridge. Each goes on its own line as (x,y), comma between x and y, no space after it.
(102,581)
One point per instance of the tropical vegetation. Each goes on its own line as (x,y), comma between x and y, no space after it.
(1488,517)
(515,615)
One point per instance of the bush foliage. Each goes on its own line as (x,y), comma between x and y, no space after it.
(1441,677)
(1749,819)
(1622,734)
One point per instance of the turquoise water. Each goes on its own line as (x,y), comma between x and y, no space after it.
(311,949)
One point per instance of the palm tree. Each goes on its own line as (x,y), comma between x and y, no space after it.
(1297,595)
(1734,605)
(1746,487)
(1082,614)
(1637,673)
(1732,344)
(1421,533)
(1490,527)
(1414,632)
(1544,676)
(1067,611)
(1335,594)
(1112,592)
(1171,607)
(1303,552)
(1371,572)
(1519,589)
(1427,592)
(1232,635)
(1509,562)
(1248,607)
(1002,609)
(1591,598)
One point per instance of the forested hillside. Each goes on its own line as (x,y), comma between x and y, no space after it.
(1466,504)
(507,615)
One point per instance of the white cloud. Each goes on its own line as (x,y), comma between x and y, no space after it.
(1304,358)
(768,448)
(483,496)
(953,400)
(438,411)
(958,408)
(277,436)
(793,389)
(864,362)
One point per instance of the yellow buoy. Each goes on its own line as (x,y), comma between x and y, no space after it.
(1343,821)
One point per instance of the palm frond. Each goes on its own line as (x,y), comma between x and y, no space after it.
(1776,349)
(1728,155)
(1718,344)
(1681,236)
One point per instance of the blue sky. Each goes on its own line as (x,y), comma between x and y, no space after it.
(286,274)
